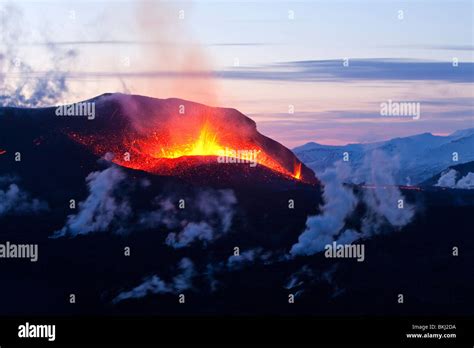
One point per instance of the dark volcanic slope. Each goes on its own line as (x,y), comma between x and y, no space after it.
(145,128)
(53,168)
(417,261)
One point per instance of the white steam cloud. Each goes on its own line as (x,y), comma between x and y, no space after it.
(466,182)
(21,85)
(248,257)
(155,285)
(207,215)
(385,203)
(448,179)
(193,231)
(339,203)
(215,211)
(15,201)
(385,200)
(102,208)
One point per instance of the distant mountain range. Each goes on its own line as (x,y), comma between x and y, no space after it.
(417,157)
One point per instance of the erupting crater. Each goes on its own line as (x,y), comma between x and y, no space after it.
(178,137)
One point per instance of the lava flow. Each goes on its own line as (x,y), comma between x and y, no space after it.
(207,144)
(297,172)
(157,139)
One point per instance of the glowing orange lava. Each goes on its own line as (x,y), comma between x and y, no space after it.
(206,144)
(208,141)
(178,146)
(297,173)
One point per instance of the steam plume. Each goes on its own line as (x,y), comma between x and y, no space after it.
(21,85)
(339,203)
(103,207)
(155,285)
(15,201)
(448,179)
(385,203)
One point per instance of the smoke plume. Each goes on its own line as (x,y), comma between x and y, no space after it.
(175,51)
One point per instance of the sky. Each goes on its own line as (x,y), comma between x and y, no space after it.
(303,70)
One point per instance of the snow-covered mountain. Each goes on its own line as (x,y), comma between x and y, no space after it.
(416,158)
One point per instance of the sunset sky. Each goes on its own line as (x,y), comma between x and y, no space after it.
(262,58)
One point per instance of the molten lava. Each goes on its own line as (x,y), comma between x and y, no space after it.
(206,144)
(160,154)
(150,135)
(297,173)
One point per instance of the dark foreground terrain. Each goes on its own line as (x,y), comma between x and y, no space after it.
(416,261)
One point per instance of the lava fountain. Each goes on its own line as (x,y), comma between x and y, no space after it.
(155,136)
(206,144)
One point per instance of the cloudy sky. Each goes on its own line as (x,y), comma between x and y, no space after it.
(264,58)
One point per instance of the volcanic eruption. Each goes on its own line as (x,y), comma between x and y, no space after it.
(175,137)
